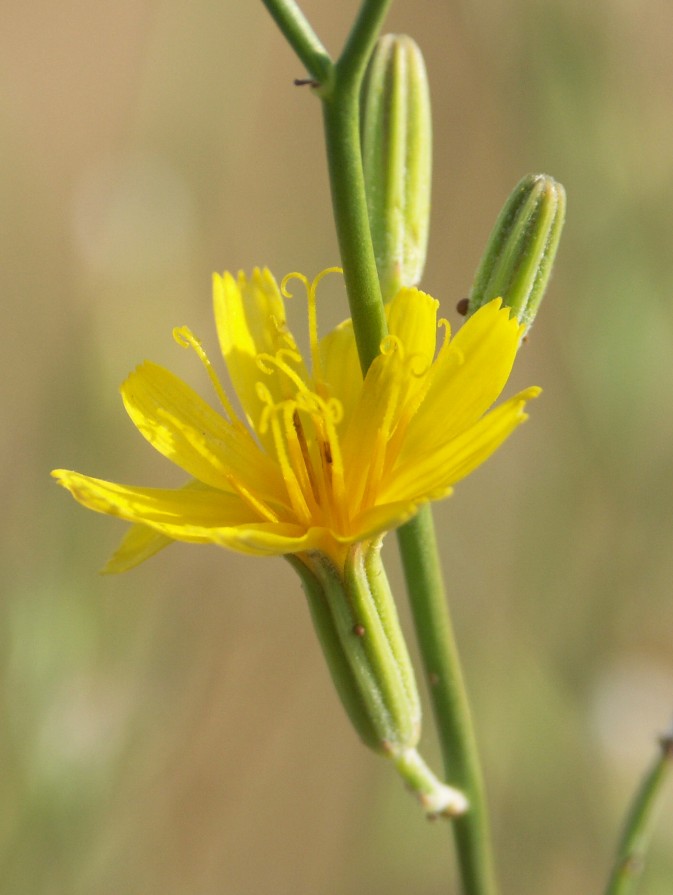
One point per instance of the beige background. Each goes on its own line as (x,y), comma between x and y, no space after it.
(173,731)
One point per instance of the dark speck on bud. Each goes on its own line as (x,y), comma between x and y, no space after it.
(359,630)
(518,260)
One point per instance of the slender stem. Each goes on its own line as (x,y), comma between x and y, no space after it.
(301,37)
(364,33)
(637,831)
(417,540)
(341,116)
(418,548)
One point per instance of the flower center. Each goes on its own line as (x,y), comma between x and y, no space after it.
(309,455)
(303,425)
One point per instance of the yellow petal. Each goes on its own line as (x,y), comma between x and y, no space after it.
(186,430)
(182,514)
(374,417)
(249,313)
(270,538)
(384,517)
(430,474)
(341,367)
(466,379)
(197,516)
(138,544)
(250,319)
(412,317)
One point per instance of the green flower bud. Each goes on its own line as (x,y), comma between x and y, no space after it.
(355,617)
(521,250)
(396,138)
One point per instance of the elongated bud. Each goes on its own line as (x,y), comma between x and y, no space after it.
(356,621)
(396,137)
(518,260)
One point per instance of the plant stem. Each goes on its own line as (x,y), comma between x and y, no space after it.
(417,540)
(360,44)
(341,116)
(301,37)
(418,548)
(639,824)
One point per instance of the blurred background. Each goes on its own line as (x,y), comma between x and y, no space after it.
(174,730)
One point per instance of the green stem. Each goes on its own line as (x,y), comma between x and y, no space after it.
(341,116)
(639,824)
(352,224)
(360,44)
(418,548)
(417,540)
(301,37)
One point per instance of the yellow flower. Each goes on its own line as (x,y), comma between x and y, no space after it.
(326,459)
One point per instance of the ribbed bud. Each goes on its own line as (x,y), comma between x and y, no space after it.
(396,137)
(355,617)
(518,260)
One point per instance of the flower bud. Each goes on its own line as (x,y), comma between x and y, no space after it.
(356,621)
(396,137)
(520,253)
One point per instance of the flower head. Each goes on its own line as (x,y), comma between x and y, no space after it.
(324,457)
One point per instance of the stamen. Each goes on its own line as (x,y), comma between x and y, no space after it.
(327,479)
(276,360)
(447,343)
(313,321)
(311,293)
(302,457)
(294,490)
(333,458)
(444,324)
(293,276)
(186,338)
(314,404)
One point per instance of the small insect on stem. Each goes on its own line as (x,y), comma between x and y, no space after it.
(359,630)
(462,306)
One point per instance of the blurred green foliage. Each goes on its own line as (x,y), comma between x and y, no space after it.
(173,731)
